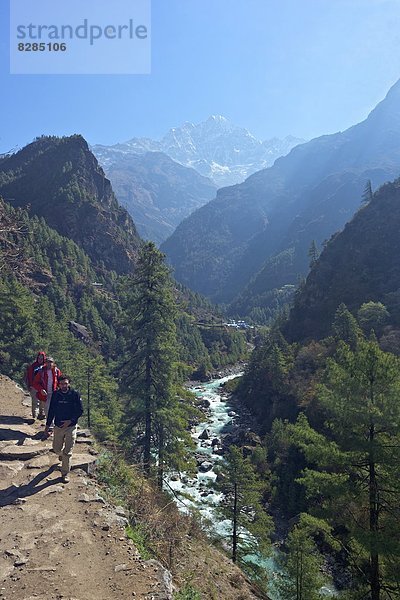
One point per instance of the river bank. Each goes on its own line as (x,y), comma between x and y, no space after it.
(226,421)
(228,371)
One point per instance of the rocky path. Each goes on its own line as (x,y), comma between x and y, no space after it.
(61,541)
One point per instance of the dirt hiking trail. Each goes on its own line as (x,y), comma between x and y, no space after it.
(61,541)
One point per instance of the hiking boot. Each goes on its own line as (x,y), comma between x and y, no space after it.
(65,478)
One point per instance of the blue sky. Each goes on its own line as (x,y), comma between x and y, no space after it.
(276,67)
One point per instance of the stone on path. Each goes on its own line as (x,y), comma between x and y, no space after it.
(14,452)
(84,440)
(7,430)
(83,461)
(83,433)
(8,469)
(6,568)
(164,579)
(56,489)
(40,462)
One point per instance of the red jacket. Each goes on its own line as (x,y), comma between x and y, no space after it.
(33,368)
(41,377)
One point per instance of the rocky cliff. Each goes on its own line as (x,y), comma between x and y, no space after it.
(60,180)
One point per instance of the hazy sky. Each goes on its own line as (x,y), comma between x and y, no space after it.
(276,67)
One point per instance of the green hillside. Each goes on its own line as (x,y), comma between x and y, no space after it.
(59,179)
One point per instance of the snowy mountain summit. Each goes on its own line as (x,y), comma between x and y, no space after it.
(216,148)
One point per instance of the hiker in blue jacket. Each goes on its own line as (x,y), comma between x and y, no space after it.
(65,408)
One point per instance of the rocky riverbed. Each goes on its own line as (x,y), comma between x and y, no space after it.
(225,422)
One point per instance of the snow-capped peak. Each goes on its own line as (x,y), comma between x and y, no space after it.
(215,147)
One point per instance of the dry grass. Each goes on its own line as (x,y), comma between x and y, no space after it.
(175,539)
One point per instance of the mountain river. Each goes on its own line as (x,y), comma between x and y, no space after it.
(199,493)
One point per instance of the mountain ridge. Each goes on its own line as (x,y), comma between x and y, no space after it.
(308,194)
(216,148)
(358,265)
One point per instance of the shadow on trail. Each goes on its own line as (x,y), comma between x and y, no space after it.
(10,435)
(13,420)
(13,493)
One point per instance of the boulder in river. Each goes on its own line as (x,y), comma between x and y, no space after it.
(218,450)
(228,427)
(204,403)
(205,435)
(205,466)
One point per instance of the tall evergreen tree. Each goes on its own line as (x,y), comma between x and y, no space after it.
(345,327)
(243,494)
(355,474)
(367,193)
(302,577)
(313,253)
(265,388)
(148,371)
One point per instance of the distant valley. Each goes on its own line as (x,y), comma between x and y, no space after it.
(158,192)
(252,241)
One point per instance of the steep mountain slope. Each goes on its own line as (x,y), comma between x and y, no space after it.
(304,196)
(157,191)
(47,278)
(216,148)
(358,265)
(60,180)
(58,271)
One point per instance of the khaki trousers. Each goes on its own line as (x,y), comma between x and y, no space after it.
(36,404)
(63,443)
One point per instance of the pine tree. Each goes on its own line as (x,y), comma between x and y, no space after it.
(354,474)
(19,333)
(302,578)
(150,353)
(367,194)
(264,388)
(345,327)
(313,254)
(243,494)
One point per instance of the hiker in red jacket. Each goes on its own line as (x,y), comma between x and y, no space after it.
(29,377)
(45,383)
